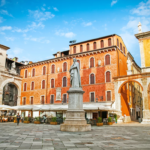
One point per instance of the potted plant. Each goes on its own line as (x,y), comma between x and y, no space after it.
(53,121)
(109,121)
(15,119)
(115,116)
(99,122)
(26,120)
(37,120)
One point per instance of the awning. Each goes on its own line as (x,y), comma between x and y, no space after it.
(6,107)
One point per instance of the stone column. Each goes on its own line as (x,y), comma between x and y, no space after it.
(146,111)
(1,94)
(75,116)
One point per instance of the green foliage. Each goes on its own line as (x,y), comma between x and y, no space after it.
(64,118)
(54,119)
(37,118)
(26,118)
(99,120)
(109,119)
(115,116)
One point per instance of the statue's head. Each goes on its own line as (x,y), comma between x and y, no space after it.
(74,60)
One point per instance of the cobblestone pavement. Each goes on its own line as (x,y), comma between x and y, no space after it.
(49,137)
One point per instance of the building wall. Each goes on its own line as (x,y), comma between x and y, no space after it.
(146,45)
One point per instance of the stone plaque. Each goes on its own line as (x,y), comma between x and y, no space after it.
(58,94)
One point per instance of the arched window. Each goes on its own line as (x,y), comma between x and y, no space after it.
(74,49)
(44,70)
(26,73)
(32,85)
(53,68)
(88,47)
(108,95)
(31,100)
(92,78)
(124,50)
(102,43)
(117,42)
(52,83)
(42,99)
(81,48)
(107,59)
(33,72)
(24,101)
(25,86)
(109,42)
(91,62)
(43,84)
(65,66)
(79,63)
(94,45)
(108,76)
(64,81)
(120,46)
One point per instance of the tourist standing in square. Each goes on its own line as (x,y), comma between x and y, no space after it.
(18,119)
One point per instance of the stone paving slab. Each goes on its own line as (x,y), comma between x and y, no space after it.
(49,137)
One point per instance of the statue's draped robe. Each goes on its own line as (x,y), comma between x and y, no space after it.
(75,75)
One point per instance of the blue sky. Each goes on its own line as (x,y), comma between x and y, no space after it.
(36,29)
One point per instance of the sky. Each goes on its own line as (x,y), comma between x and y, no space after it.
(36,29)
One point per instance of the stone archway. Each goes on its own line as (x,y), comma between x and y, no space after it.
(17,83)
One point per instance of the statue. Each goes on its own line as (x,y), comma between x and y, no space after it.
(75,80)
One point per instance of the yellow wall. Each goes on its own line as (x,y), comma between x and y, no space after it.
(146,45)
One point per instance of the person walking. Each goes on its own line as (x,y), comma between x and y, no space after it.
(18,119)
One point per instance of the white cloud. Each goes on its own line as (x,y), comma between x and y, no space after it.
(2,2)
(67,35)
(1,19)
(20,30)
(55,9)
(113,2)
(43,8)
(41,16)
(5,28)
(9,38)
(5,12)
(143,9)
(87,24)
(35,25)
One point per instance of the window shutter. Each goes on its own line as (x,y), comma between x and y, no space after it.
(120,46)
(32,86)
(109,42)
(81,48)
(92,97)
(79,63)
(53,68)
(43,84)
(102,43)
(92,79)
(33,72)
(124,50)
(25,86)
(64,82)
(91,62)
(31,100)
(65,66)
(87,47)
(107,60)
(25,73)
(94,45)
(44,70)
(52,83)
(64,98)
(52,99)
(108,95)
(24,100)
(117,42)
(108,76)
(74,49)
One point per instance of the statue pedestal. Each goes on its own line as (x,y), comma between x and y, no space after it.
(75,116)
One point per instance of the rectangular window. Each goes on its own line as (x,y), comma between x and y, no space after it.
(24,101)
(42,99)
(64,98)
(81,48)
(25,86)
(31,101)
(92,97)
(108,95)
(52,99)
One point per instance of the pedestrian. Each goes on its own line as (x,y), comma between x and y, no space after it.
(44,117)
(18,119)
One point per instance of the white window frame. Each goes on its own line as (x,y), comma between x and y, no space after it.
(41,99)
(90,97)
(45,70)
(25,73)
(110,76)
(31,86)
(89,61)
(62,81)
(51,85)
(41,84)
(63,66)
(106,95)
(50,98)
(90,79)
(51,68)
(105,60)
(30,100)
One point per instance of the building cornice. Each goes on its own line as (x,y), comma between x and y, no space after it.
(102,50)
(142,35)
(4,47)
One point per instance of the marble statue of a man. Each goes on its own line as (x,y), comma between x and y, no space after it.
(75,79)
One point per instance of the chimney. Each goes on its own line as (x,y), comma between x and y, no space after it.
(58,54)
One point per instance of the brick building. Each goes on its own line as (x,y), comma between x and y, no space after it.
(100,59)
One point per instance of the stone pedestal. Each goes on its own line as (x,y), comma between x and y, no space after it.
(75,116)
